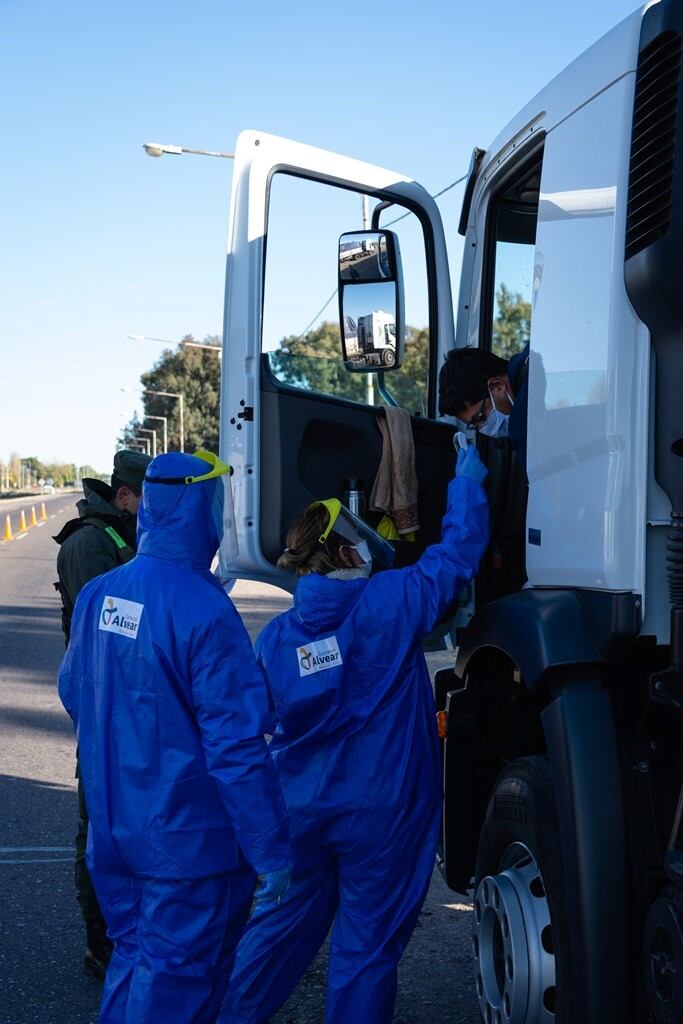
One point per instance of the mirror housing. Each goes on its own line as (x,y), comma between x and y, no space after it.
(371,313)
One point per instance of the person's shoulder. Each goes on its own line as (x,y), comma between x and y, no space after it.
(86,537)
(518,362)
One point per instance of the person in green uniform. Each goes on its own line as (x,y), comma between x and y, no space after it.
(100,539)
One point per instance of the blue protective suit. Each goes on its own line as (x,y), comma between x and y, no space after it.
(185,806)
(356,748)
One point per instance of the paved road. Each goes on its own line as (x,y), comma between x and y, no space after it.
(41,936)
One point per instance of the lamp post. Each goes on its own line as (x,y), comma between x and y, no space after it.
(164,420)
(167,394)
(159,148)
(167,341)
(150,430)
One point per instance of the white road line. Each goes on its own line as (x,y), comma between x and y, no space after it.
(38,860)
(40,524)
(53,516)
(34,849)
(21,536)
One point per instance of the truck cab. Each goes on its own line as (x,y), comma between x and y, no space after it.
(562,778)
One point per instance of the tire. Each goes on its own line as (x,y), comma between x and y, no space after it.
(388,357)
(520,944)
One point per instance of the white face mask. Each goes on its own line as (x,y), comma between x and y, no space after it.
(497,422)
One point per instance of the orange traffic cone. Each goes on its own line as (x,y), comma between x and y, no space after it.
(8,529)
(43,513)
(34,518)
(22,522)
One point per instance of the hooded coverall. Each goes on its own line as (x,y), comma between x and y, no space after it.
(185,806)
(356,748)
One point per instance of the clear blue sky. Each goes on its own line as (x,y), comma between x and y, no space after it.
(100,241)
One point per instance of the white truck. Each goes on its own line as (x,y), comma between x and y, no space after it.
(563,761)
(377,337)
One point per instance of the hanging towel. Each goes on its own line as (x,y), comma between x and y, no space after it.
(395,488)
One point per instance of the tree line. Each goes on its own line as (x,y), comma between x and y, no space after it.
(312,361)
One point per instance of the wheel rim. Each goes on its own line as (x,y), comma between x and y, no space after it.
(663,944)
(512,943)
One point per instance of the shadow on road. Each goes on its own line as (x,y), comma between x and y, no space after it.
(31,639)
(38,720)
(41,936)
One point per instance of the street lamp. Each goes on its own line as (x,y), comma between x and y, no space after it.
(167,394)
(150,430)
(164,420)
(167,341)
(159,148)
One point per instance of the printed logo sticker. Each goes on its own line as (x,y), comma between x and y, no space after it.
(118,616)
(318,656)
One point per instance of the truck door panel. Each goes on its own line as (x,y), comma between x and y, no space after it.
(310,444)
(287,441)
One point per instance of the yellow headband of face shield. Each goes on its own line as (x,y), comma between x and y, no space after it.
(333,506)
(218,468)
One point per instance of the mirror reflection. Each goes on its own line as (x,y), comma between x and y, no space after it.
(364,256)
(369,320)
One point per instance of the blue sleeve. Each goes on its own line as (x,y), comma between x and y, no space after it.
(231,705)
(417,597)
(262,640)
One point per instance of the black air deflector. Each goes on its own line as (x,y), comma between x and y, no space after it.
(654,226)
(652,144)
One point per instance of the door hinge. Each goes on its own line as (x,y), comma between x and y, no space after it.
(246,414)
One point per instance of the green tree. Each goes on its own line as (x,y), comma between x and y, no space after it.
(313,361)
(195,374)
(511,324)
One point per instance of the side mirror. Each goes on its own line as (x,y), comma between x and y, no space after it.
(371,301)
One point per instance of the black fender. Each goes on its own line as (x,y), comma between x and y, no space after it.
(545,630)
(584,758)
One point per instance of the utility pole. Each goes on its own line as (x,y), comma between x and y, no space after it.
(369,377)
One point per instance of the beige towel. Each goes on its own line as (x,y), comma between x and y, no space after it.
(395,488)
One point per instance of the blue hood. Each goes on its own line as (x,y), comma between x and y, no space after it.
(175,521)
(325,603)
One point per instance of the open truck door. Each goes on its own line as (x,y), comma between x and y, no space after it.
(297,423)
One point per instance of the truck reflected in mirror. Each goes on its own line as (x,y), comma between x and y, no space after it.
(364,256)
(370,300)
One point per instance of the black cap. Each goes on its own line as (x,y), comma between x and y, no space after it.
(129,469)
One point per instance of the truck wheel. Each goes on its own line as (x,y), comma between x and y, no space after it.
(520,941)
(663,947)
(388,357)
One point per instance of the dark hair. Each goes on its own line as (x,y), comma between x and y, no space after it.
(304,553)
(117,484)
(464,376)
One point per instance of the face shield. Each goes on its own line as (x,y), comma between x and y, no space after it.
(355,533)
(221,506)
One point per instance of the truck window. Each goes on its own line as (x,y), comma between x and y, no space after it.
(512,238)
(301,306)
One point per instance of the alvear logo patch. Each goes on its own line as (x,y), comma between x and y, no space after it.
(119,616)
(318,656)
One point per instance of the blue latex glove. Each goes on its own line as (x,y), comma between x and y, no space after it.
(272,886)
(470,465)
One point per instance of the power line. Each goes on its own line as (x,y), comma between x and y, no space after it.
(435,196)
(388,225)
(319,313)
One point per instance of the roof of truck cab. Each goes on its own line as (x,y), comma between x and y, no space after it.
(607,60)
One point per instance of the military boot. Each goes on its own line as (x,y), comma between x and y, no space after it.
(97,952)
